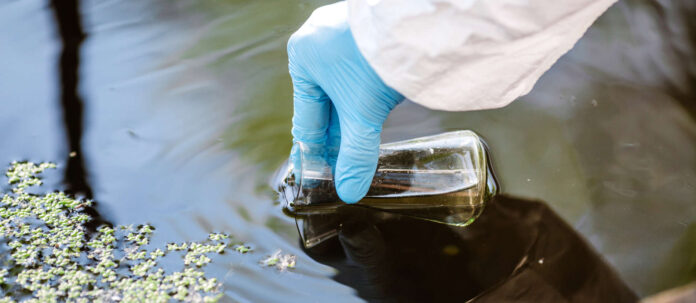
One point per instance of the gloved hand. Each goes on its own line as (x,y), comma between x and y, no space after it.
(339,100)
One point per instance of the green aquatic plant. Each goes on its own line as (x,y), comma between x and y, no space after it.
(280,261)
(48,254)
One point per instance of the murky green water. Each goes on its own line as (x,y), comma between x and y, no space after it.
(187,109)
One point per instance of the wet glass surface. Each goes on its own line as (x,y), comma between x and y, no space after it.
(187,108)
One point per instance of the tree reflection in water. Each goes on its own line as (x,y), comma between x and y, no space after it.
(69,25)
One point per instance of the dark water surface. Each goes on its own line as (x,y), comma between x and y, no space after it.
(187,108)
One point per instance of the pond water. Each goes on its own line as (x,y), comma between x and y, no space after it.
(186,113)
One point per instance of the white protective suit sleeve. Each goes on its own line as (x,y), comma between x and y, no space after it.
(461,55)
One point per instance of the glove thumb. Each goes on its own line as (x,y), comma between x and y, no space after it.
(357,160)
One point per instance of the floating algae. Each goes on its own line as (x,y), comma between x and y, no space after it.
(48,255)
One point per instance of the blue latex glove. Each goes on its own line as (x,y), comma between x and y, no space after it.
(339,100)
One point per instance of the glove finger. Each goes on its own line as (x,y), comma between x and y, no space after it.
(333,138)
(357,160)
(311,112)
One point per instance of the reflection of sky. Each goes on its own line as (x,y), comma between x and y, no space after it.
(188,109)
(30,123)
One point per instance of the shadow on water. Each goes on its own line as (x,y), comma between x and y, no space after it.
(517,250)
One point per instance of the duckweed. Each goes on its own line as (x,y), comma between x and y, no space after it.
(48,255)
(242,249)
(280,261)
